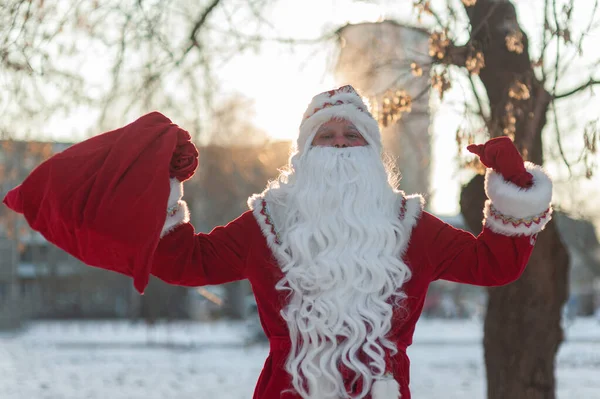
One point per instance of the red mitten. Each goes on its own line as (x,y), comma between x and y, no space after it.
(501,155)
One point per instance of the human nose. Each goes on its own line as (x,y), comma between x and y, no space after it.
(340,142)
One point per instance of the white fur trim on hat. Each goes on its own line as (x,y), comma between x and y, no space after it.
(512,210)
(343,103)
(319,101)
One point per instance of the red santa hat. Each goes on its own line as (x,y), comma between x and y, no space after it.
(342,103)
(104,200)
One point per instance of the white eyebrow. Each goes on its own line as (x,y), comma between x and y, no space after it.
(323,129)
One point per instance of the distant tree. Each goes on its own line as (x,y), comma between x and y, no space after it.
(516,94)
(117,59)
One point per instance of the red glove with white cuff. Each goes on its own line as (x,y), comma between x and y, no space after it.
(519,193)
(501,155)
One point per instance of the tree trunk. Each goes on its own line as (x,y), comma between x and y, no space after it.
(522,329)
(522,324)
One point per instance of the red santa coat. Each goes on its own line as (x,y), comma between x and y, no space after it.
(244,249)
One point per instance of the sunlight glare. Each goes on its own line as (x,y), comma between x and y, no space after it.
(281,87)
(280,115)
(360,12)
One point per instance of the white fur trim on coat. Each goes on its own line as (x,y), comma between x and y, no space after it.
(414,208)
(387,388)
(177,210)
(261,214)
(512,210)
(411,208)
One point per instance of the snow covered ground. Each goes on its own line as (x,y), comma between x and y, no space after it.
(119,360)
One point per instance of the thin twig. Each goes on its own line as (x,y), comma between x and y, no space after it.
(545,40)
(584,86)
(201,21)
(557,59)
(556,76)
(559,140)
(483,21)
(282,40)
(589,27)
(479,103)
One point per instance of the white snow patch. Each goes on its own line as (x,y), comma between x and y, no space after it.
(184,360)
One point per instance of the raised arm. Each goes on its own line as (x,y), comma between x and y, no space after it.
(517,209)
(187,258)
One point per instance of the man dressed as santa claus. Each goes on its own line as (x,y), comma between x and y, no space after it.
(340,260)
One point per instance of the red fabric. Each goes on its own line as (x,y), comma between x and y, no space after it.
(185,158)
(104,200)
(501,155)
(239,250)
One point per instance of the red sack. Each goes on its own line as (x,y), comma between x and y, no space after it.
(104,200)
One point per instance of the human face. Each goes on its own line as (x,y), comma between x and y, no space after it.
(338,133)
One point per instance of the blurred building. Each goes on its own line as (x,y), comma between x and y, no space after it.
(378,58)
(581,241)
(219,191)
(39,280)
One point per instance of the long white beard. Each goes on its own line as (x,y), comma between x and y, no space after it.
(338,219)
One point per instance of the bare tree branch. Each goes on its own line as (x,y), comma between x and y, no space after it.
(557,58)
(589,26)
(483,21)
(479,103)
(559,140)
(556,77)
(284,40)
(199,23)
(545,41)
(589,83)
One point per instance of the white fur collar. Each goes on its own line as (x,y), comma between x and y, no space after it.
(410,210)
